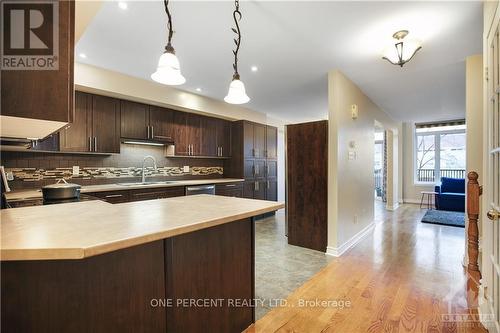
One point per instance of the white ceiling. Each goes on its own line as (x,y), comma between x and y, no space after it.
(294,45)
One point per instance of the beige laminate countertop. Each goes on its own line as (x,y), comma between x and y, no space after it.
(32,194)
(83,229)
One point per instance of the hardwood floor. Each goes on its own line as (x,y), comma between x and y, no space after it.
(405,277)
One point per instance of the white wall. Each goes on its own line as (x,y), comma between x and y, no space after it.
(351,182)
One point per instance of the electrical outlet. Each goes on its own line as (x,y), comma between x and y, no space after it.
(186,168)
(76,170)
(10,176)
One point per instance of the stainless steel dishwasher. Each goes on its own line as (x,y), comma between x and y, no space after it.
(200,189)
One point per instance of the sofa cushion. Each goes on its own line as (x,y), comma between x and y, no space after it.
(452,185)
(451,201)
(453,196)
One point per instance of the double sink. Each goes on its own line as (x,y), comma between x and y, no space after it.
(145,183)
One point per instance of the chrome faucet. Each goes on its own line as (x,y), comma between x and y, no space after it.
(144,162)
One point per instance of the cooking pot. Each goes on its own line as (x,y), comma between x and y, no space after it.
(61,190)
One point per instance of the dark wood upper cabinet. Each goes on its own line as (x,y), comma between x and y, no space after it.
(254,151)
(223,138)
(134,120)
(259,140)
(272,190)
(193,133)
(208,142)
(105,124)
(182,147)
(44,94)
(271,142)
(248,141)
(161,123)
(271,168)
(96,127)
(77,136)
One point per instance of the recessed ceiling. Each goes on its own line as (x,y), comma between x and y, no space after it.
(294,45)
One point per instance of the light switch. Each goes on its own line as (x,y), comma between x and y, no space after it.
(352,155)
(354,111)
(186,168)
(76,170)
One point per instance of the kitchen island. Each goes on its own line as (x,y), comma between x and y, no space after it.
(183,264)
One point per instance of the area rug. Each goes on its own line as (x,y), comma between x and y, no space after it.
(443,217)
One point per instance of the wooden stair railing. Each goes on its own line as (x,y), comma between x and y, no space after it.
(474,191)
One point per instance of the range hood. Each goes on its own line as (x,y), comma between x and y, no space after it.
(27,128)
(156,141)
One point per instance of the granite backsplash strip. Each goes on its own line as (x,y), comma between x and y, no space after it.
(34,174)
(33,170)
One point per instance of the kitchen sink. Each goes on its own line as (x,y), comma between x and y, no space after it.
(145,183)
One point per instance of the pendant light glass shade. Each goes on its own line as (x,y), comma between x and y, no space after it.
(237,93)
(403,50)
(168,70)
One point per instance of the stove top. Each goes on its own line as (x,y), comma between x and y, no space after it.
(41,201)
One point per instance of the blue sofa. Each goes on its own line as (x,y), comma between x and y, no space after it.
(450,194)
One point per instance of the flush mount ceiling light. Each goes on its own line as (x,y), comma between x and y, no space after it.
(403,51)
(168,71)
(237,93)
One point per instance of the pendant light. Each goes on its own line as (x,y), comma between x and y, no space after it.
(237,93)
(403,51)
(168,71)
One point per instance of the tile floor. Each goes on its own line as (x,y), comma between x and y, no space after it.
(280,268)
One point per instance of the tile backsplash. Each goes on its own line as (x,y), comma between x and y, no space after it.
(33,170)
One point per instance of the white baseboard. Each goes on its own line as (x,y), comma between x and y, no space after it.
(485,311)
(393,207)
(338,251)
(412,201)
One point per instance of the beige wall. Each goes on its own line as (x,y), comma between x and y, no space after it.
(474,118)
(350,182)
(474,112)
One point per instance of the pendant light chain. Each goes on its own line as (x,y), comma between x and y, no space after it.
(169,47)
(237,17)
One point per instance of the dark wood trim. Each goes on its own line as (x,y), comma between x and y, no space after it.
(473,193)
(307,184)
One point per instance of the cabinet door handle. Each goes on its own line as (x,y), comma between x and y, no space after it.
(152,132)
(257,171)
(221,151)
(95,143)
(90,143)
(268,186)
(267,170)
(230,185)
(256,186)
(148,130)
(114,196)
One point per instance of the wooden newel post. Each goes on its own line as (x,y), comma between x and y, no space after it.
(473,193)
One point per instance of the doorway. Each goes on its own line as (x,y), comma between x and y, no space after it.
(379,164)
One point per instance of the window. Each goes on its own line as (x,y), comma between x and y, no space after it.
(439,151)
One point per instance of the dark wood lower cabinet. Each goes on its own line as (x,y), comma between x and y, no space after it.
(107,293)
(229,190)
(156,193)
(160,286)
(213,265)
